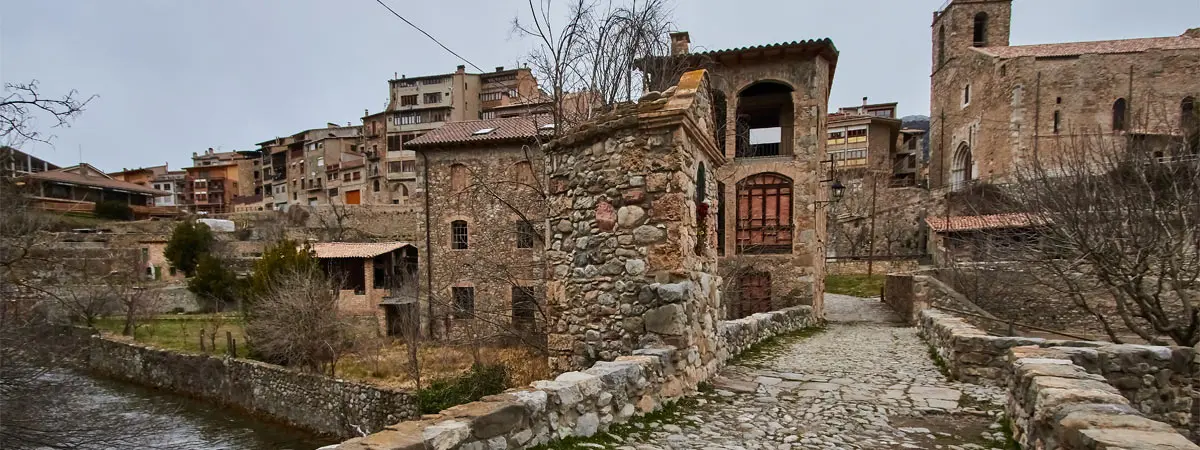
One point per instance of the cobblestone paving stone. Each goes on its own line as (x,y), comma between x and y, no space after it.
(865,382)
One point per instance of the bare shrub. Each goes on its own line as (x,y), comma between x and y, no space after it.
(298,322)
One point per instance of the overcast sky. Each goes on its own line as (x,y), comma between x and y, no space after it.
(178,76)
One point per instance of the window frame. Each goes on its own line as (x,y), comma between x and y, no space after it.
(775,235)
(464,301)
(526,235)
(460,235)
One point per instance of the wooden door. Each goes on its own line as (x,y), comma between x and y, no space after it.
(353,197)
(755,294)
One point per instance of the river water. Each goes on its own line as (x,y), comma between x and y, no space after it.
(193,424)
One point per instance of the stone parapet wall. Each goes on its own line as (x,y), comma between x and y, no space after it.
(1158,382)
(577,403)
(1054,403)
(312,402)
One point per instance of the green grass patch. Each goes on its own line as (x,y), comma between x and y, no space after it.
(1006,427)
(769,347)
(855,284)
(637,426)
(479,382)
(182,333)
(940,363)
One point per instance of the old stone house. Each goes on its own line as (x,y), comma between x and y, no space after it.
(378,280)
(996,106)
(772,102)
(481,184)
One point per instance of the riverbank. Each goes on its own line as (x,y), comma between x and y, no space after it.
(309,402)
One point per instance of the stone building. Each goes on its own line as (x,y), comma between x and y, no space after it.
(633,245)
(378,279)
(304,168)
(772,102)
(996,106)
(480,184)
(420,104)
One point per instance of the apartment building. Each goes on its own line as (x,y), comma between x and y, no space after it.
(300,169)
(862,140)
(217,178)
(160,178)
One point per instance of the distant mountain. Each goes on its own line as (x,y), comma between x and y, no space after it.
(918,122)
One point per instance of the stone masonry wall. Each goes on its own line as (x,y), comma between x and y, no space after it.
(308,401)
(632,250)
(575,403)
(1054,403)
(1157,381)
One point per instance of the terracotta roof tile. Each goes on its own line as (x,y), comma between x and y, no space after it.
(973,223)
(806,43)
(359,250)
(503,129)
(1094,47)
(62,176)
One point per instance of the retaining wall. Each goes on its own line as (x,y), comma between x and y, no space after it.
(307,401)
(1156,381)
(1054,403)
(577,403)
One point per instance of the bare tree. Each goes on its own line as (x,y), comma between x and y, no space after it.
(23,103)
(1115,220)
(593,52)
(298,322)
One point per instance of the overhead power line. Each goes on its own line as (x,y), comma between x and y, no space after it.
(394,13)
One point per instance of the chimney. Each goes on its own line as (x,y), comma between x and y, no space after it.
(194,154)
(210,151)
(680,40)
(461,69)
(395,75)
(499,68)
(366,112)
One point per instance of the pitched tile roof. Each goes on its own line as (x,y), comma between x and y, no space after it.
(780,45)
(1094,47)
(105,182)
(503,130)
(358,250)
(942,224)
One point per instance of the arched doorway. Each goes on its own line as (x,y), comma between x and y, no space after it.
(960,168)
(765,118)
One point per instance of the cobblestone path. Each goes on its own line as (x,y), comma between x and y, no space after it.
(865,382)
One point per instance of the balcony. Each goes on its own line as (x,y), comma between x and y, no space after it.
(402,176)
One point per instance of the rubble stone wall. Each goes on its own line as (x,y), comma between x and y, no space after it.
(575,403)
(312,402)
(1054,403)
(632,249)
(1157,381)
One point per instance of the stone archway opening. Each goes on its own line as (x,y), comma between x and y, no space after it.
(765,117)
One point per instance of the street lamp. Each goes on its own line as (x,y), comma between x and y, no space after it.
(836,191)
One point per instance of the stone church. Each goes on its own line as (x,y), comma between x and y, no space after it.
(996,106)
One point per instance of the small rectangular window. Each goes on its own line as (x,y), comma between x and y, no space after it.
(458,235)
(524,308)
(525,234)
(464,301)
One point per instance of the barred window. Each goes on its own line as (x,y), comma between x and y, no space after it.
(764,214)
(458,235)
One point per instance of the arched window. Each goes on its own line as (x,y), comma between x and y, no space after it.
(458,177)
(458,235)
(981,23)
(764,214)
(1118,118)
(941,45)
(764,120)
(960,168)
